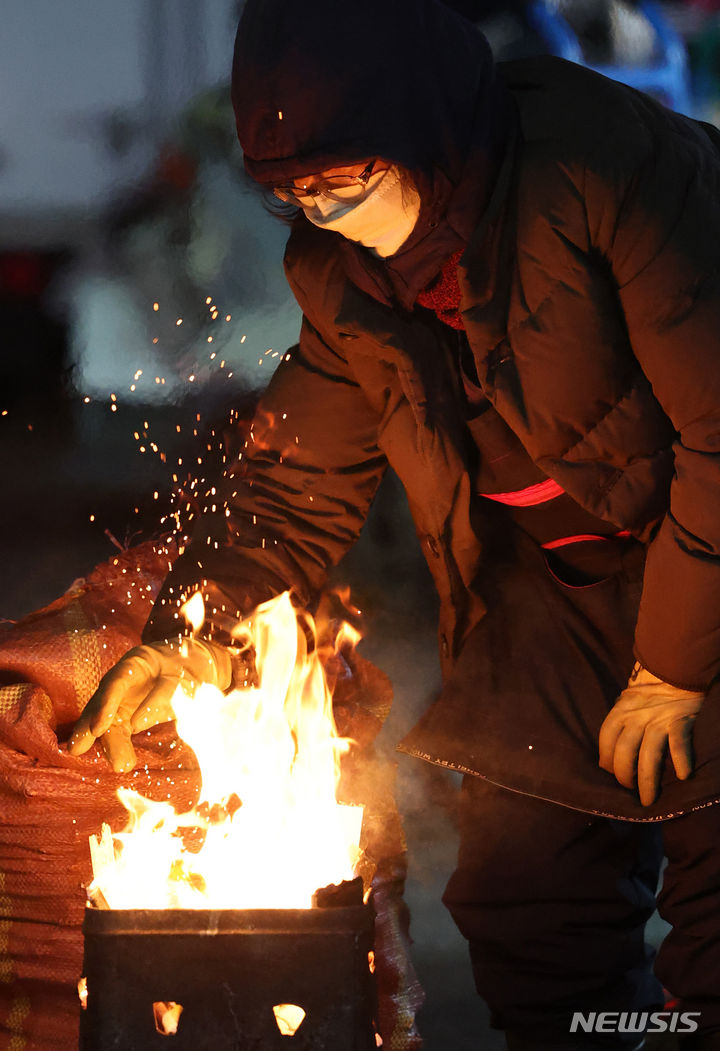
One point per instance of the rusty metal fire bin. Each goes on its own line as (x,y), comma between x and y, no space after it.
(227,971)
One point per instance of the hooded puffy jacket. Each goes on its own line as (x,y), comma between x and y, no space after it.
(590,281)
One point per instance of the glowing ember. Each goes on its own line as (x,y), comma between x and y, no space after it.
(167,1016)
(194,611)
(272,831)
(289,1018)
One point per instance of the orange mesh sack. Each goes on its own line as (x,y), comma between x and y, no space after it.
(51,802)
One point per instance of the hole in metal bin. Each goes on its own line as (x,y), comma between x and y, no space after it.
(82,992)
(289,1018)
(166,1014)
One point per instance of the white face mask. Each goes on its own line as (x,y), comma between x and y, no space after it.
(382,221)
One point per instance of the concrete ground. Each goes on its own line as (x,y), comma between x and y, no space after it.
(81,461)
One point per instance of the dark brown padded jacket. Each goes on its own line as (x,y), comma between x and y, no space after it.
(591,301)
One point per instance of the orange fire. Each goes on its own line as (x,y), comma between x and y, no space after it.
(269,755)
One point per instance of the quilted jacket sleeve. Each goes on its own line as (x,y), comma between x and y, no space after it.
(661,236)
(293,502)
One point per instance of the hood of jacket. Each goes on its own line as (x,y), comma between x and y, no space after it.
(316,85)
(319,84)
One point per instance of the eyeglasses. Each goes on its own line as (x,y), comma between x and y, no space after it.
(332,187)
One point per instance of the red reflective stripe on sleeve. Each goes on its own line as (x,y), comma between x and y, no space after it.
(534,494)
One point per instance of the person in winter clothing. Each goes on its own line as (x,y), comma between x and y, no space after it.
(511,295)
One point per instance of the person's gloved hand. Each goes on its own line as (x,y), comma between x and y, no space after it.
(648,717)
(136,694)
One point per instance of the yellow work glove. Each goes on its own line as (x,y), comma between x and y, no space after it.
(136,694)
(648,717)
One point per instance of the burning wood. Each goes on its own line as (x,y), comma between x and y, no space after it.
(267,831)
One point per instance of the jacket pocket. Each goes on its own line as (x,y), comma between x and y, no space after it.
(584,565)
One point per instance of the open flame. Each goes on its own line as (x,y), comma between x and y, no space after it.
(271,829)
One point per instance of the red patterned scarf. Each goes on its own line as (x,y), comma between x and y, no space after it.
(442,295)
